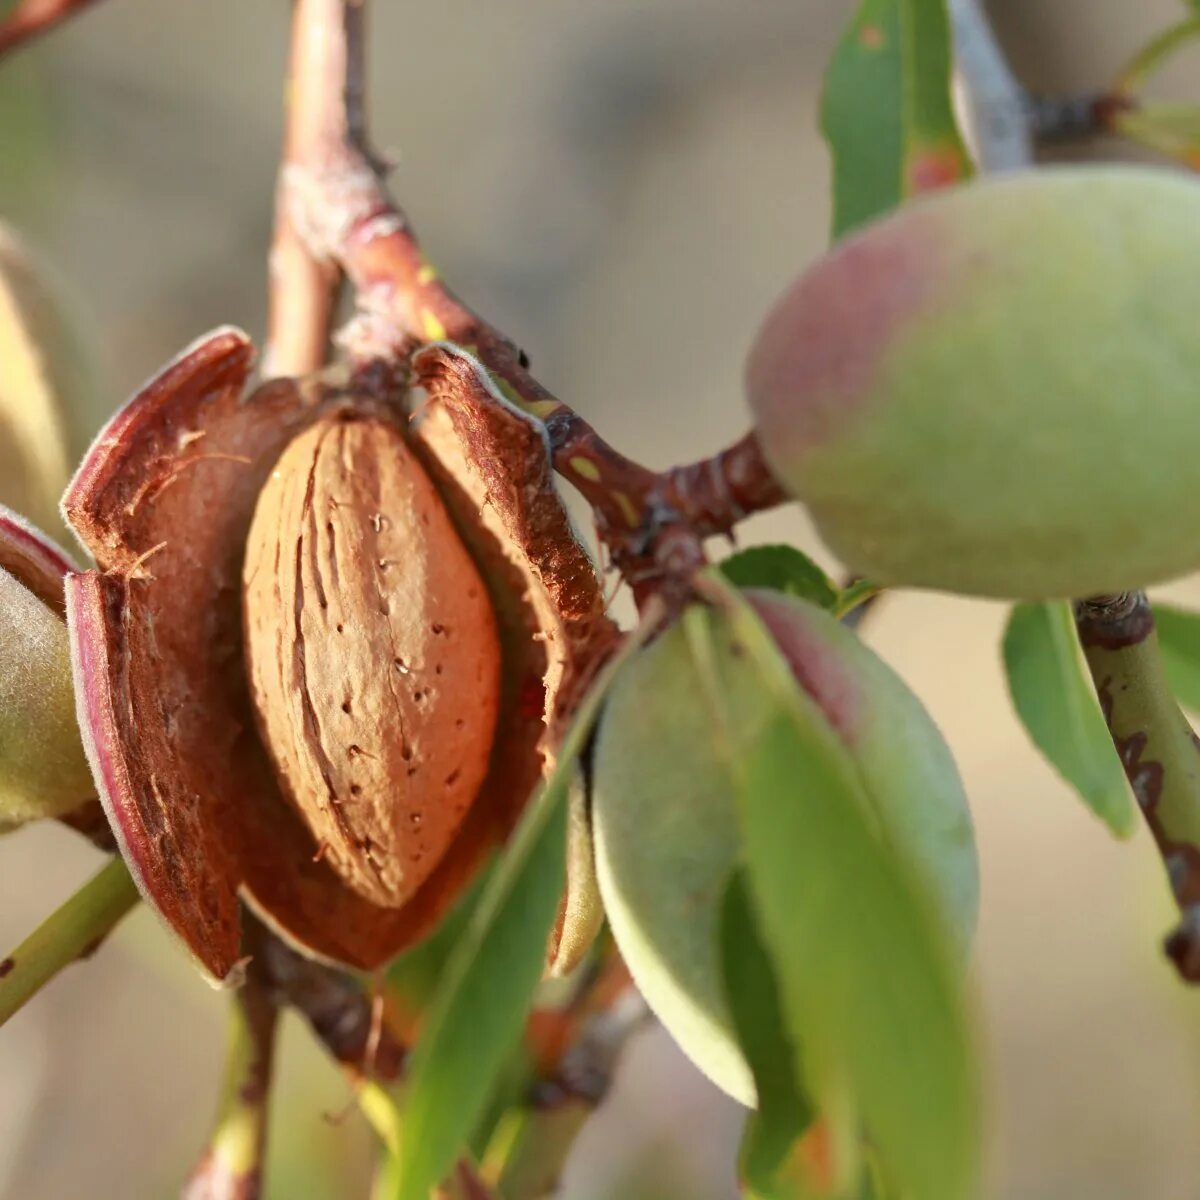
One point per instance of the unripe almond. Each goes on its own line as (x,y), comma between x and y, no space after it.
(43,771)
(994,390)
(665,812)
(372,652)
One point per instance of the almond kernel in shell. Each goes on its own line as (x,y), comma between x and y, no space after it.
(372,653)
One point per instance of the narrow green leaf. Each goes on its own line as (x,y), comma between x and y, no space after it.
(782,569)
(1169,128)
(784,1110)
(1055,700)
(866,974)
(412,979)
(477,1014)
(1179,644)
(861,116)
(1151,57)
(886,111)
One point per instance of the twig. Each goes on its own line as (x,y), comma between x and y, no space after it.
(336,1007)
(72,932)
(464,1184)
(996,102)
(31,18)
(334,196)
(302,285)
(1157,747)
(1006,123)
(231,1166)
(600,1021)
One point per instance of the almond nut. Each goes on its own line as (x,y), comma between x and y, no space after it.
(372,652)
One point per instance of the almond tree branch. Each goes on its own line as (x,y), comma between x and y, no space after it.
(997,105)
(333,195)
(1005,123)
(339,1011)
(31,18)
(1156,745)
(73,931)
(302,285)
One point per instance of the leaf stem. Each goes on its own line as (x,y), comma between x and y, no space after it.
(73,931)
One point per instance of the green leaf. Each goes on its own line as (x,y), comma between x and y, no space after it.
(886,111)
(782,569)
(784,1110)
(1055,700)
(412,979)
(1179,645)
(477,1015)
(1166,127)
(1154,55)
(866,973)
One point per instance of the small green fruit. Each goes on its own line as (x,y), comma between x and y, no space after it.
(43,771)
(666,828)
(997,390)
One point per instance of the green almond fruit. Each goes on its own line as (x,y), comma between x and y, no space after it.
(996,390)
(43,770)
(666,827)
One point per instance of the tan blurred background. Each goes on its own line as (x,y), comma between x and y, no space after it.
(623,187)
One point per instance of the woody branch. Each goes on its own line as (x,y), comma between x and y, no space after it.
(332,193)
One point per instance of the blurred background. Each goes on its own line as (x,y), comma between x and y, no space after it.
(623,188)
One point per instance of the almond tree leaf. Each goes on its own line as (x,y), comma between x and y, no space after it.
(1179,644)
(784,1109)
(866,973)
(1054,698)
(781,568)
(477,1014)
(412,978)
(1170,128)
(886,110)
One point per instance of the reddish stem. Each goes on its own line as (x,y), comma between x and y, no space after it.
(333,195)
(31,18)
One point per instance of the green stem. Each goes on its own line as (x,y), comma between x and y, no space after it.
(232,1164)
(1156,745)
(1155,53)
(540,1148)
(74,931)
(854,597)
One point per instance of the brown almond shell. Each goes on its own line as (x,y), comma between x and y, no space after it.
(164,501)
